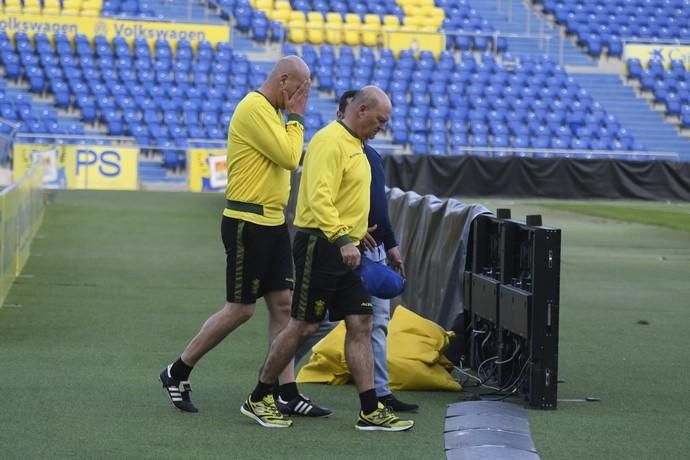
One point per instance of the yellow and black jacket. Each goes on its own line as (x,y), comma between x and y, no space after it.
(334,195)
(262,150)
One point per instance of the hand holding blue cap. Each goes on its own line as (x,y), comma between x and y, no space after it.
(380,280)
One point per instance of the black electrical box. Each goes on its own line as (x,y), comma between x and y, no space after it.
(512,300)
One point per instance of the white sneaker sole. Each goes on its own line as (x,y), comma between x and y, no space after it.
(382,428)
(258,420)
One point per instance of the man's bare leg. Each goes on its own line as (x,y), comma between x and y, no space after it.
(283,348)
(215,329)
(358,351)
(175,377)
(279,305)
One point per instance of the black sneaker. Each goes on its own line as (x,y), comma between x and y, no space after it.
(396,405)
(178,391)
(302,405)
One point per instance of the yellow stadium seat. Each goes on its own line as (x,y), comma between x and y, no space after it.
(13,8)
(314,16)
(334,33)
(372,19)
(315,32)
(371,34)
(419,12)
(391,20)
(433,22)
(32,7)
(352,18)
(282,5)
(71,7)
(12,3)
(334,18)
(334,28)
(297,32)
(264,5)
(437,12)
(407,9)
(413,21)
(280,15)
(90,13)
(351,35)
(297,16)
(51,7)
(91,5)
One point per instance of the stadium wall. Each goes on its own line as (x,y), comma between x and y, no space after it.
(82,167)
(114,28)
(539,177)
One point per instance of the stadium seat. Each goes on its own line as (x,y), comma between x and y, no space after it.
(315,28)
(352,30)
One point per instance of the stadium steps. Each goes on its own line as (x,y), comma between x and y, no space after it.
(644,124)
(243,43)
(152,176)
(518,25)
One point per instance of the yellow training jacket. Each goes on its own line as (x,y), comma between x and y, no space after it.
(334,189)
(262,150)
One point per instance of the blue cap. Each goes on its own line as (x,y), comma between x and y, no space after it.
(379,279)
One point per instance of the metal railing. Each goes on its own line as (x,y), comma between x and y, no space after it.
(21,213)
(380,144)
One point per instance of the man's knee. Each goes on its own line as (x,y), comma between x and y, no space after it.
(279,302)
(302,329)
(359,325)
(238,311)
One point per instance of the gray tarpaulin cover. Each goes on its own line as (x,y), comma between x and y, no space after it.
(432,234)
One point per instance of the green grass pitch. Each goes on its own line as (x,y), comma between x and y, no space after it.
(120,281)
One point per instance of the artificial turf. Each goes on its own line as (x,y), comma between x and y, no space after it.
(120,281)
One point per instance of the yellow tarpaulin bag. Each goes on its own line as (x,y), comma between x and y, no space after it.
(327,362)
(415,359)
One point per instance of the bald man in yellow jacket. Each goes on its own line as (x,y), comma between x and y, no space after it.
(262,151)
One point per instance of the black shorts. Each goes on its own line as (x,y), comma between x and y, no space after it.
(258,259)
(324,283)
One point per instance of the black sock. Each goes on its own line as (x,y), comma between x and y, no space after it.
(180,371)
(262,389)
(288,391)
(368,401)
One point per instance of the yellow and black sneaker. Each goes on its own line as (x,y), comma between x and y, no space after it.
(382,419)
(265,413)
